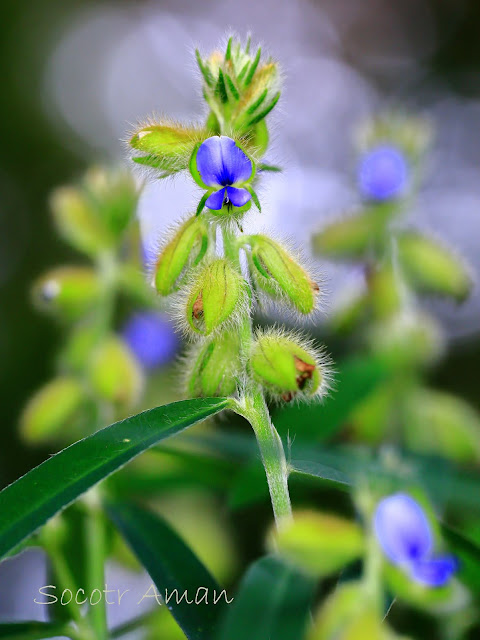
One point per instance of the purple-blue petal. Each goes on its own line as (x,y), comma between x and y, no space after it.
(434,572)
(152,339)
(237,196)
(220,162)
(210,161)
(402,529)
(237,165)
(215,201)
(382,173)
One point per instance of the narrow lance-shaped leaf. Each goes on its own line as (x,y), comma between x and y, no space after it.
(33,499)
(273,602)
(198,599)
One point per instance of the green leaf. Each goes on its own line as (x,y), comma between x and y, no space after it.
(30,630)
(273,601)
(172,565)
(355,380)
(32,500)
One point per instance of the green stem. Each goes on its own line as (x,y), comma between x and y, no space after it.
(271,449)
(254,408)
(96,552)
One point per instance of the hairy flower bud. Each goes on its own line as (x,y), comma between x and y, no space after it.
(77,221)
(68,291)
(351,237)
(165,145)
(407,339)
(285,367)
(52,408)
(278,273)
(432,268)
(216,366)
(218,294)
(114,373)
(186,248)
(239,87)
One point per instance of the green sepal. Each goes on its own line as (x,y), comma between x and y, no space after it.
(253,68)
(221,89)
(232,87)
(269,167)
(192,165)
(254,106)
(203,199)
(205,71)
(263,114)
(255,199)
(228,52)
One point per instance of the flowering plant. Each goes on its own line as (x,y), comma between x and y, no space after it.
(212,274)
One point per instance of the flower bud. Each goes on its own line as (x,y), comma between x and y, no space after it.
(68,291)
(353,236)
(240,87)
(52,408)
(407,339)
(432,268)
(115,195)
(216,366)
(218,295)
(441,424)
(187,247)
(285,367)
(115,374)
(78,221)
(165,145)
(277,271)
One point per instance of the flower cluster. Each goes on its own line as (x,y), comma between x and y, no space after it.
(215,297)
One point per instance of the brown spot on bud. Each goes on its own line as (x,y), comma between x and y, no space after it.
(305,370)
(315,287)
(197,309)
(288,396)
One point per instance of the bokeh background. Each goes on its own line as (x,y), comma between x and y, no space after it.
(77,74)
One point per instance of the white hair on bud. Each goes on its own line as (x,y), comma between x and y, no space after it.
(180,300)
(276,300)
(323,363)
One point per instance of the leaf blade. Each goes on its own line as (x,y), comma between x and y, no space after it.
(171,565)
(273,602)
(33,499)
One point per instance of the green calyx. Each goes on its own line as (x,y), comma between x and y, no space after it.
(241,89)
(165,145)
(279,274)
(185,249)
(218,295)
(284,367)
(216,366)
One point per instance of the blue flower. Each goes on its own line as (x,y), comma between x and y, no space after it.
(383,173)
(151,338)
(223,168)
(405,536)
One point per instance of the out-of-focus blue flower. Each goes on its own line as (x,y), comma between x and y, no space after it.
(151,338)
(383,173)
(405,536)
(224,167)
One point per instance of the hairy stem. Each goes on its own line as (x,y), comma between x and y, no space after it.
(253,407)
